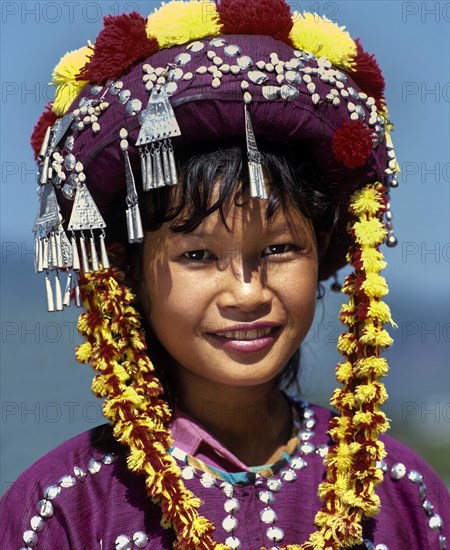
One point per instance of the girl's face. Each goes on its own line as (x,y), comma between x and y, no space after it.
(231,306)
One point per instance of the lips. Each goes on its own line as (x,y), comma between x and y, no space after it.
(248,338)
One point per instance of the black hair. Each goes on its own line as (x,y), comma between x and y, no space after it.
(291,181)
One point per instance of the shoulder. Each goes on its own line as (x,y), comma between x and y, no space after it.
(414,502)
(62,500)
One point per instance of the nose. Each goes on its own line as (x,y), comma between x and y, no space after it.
(244,288)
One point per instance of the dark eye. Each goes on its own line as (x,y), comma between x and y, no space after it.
(277,249)
(197,255)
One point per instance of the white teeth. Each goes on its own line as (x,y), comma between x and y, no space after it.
(246,334)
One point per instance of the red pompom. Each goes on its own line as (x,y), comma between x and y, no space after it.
(122,41)
(367,74)
(352,144)
(270,17)
(48,118)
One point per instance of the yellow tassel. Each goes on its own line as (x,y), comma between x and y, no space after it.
(181,22)
(320,36)
(68,88)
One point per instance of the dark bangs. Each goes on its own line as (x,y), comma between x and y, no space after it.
(291,182)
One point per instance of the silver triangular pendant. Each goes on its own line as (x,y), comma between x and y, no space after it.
(48,216)
(159,119)
(85,214)
(59,129)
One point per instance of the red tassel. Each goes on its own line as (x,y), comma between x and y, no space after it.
(367,74)
(270,17)
(352,144)
(48,118)
(122,41)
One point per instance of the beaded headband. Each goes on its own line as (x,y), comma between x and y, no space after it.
(123,106)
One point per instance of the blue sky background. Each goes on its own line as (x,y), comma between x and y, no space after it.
(45,395)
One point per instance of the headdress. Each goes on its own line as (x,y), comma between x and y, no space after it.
(194,71)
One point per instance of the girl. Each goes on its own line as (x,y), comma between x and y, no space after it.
(200,175)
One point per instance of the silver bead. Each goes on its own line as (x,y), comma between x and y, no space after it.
(274,485)
(227,488)
(230,524)
(224,68)
(79,473)
(196,46)
(261,64)
(123,96)
(69,162)
(175,74)
(442,542)
(140,539)
(298,463)
(360,112)
(289,475)
(232,50)
(45,508)
(114,89)
(275,534)
(171,88)
(381,547)
(315,98)
(307,448)
(244,62)
(280,78)
(391,241)
(122,542)
(52,492)
(414,475)
(211,54)
(422,491)
(322,450)
(307,79)
(217,42)
(187,472)
(207,480)
(247,97)
(271,92)
(266,497)
(233,542)
(94,465)
(201,70)
(134,107)
(30,538)
(381,464)
(217,60)
(95,90)
(292,77)
(37,523)
(289,93)
(67,481)
(147,68)
(428,507)
(369,545)
(183,58)
(257,77)
(109,458)
(216,82)
(398,471)
(231,505)
(270,67)
(188,76)
(435,522)
(235,69)
(268,515)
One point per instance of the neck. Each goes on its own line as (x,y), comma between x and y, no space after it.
(252,422)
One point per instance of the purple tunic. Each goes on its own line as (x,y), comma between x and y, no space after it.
(82,496)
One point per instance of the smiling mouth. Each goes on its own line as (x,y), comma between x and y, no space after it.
(253,334)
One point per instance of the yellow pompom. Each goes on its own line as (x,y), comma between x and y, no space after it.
(64,78)
(372,259)
(369,232)
(180,22)
(368,201)
(375,285)
(320,36)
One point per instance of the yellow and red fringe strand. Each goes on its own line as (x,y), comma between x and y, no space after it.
(115,346)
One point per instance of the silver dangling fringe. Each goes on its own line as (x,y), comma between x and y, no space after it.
(255,169)
(165,163)
(58,293)
(48,287)
(133,215)
(172,164)
(148,170)
(76,258)
(84,256)
(66,301)
(59,253)
(142,154)
(45,252)
(94,256)
(38,250)
(158,168)
(134,224)
(103,252)
(76,292)
(53,254)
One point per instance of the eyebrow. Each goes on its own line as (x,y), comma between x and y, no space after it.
(203,234)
